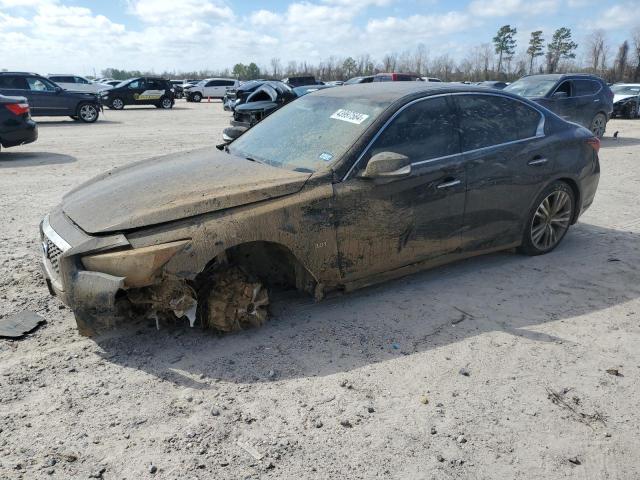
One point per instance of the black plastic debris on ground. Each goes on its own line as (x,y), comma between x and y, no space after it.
(18,325)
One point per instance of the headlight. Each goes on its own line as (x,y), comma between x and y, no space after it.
(138,266)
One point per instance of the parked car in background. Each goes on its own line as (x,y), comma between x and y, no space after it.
(238,95)
(301,80)
(626,100)
(210,88)
(498,85)
(112,83)
(357,80)
(431,79)
(75,83)
(49,99)
(264,100)
(340,189)
(178,88)
(140,91)
(396,77)
(581,98)
(16,125)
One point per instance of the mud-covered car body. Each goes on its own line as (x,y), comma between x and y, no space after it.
(626,100)
(312,197)
(265,99)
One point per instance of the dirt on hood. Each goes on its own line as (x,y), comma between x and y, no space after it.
(175,186)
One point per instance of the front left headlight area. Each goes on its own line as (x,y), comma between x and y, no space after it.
(139,267)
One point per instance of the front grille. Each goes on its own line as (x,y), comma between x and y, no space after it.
(53,253)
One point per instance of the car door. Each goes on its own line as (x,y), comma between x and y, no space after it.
(211,88)
(383,225)
(562,101)
(587,101)
(49,98)
(507,159)
(135,89)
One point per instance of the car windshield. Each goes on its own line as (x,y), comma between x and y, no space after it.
(123,83)
(308,134)
(531,86)
(626,89)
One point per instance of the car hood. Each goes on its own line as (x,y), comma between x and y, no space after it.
(617,98)
(172,187)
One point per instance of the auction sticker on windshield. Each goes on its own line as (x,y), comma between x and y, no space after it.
(349,116)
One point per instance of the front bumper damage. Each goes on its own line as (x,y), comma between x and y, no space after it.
(100,299)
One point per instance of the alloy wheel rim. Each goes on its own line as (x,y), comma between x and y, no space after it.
(597,128)
(117,103)
(166,103)
(551,220)
(87,112)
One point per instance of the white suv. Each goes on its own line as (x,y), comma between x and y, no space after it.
(75,83)
(209,88)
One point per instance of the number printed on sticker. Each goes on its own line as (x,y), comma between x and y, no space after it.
(349,116)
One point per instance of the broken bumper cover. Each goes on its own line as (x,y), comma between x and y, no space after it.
(91,295)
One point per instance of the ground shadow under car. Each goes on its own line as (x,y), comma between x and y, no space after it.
(592,270)
(13,159)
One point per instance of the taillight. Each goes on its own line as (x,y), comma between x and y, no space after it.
(594,142)
(18,108)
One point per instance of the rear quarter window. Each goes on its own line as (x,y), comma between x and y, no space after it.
(487,120)
(585,87)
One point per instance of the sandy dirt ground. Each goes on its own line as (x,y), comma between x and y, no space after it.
(492,368)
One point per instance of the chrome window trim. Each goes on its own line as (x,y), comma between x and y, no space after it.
(60,242)
(539,130)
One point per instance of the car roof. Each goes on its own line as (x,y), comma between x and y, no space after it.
(392,91)
(20,73)
(557,76)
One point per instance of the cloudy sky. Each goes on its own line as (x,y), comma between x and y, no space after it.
(79,36)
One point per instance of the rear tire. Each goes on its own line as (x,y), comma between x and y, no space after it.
(598,125)
(549,220)
(88,112)
(165,103)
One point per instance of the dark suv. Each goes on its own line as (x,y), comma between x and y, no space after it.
(580,98)
(140,91)
(46,98)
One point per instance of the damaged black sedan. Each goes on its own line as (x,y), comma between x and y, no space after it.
(340,189)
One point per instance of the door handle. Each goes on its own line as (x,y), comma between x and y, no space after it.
(537,161)
(449,184)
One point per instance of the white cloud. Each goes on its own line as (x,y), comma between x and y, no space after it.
(265,18)
(622,15)
(171,11)
(505,8)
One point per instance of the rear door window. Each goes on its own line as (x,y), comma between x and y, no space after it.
(422,131)
(488,120)
(12,83)
(228,83)
(585,87)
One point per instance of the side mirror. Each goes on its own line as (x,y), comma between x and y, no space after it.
(59,89)
(229,134)
(559,95)
(387,165)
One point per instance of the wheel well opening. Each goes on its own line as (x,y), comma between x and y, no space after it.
(576,196)
(271,263)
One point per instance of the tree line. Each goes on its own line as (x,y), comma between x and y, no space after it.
(500,59)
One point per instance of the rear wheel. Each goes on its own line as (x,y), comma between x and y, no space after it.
(165,103)
(598,125)
(196,97)
(117,103)
(231,301)
(88,112)
(550,219)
